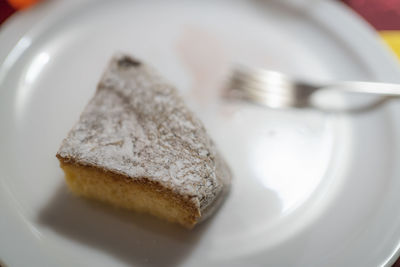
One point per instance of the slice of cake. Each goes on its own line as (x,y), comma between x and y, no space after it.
(137,146)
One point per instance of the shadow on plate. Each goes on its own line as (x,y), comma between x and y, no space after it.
(135,239)
(362,109)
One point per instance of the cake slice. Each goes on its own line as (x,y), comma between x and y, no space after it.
(137,146)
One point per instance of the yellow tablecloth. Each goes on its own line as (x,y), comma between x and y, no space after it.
(392,38)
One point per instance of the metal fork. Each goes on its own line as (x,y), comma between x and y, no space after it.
(277,90)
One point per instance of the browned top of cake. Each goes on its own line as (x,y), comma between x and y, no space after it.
(137,125)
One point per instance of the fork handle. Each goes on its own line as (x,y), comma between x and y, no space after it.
(387,89)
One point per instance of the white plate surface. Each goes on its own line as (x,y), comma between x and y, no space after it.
(310,189)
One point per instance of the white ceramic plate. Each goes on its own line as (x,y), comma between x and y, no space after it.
(310,189)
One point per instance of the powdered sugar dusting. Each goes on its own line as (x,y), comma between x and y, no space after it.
(136,125)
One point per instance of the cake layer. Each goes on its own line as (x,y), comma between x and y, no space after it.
(138,195)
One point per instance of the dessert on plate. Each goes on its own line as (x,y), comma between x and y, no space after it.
(138,146)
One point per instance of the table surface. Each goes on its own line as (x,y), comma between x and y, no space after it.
(383,15)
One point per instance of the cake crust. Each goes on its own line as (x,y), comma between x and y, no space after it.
(137,128)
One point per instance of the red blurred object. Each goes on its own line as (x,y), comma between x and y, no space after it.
(382,14)
(5,10)
(22,4)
